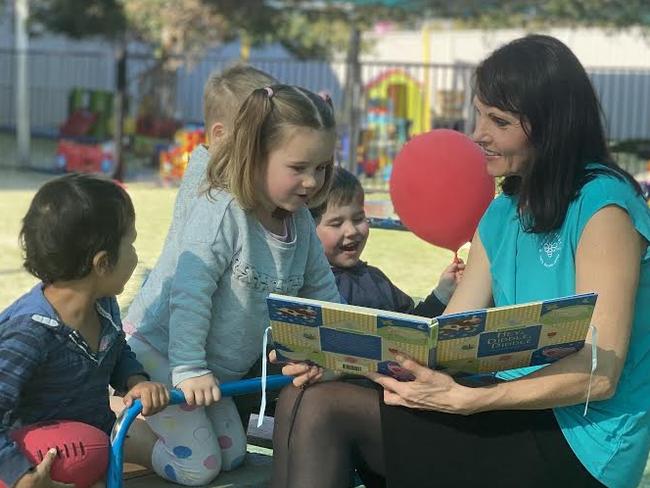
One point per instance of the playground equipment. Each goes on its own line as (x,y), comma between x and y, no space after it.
(80,157)
(128,415)
(89,114)
(84,145)
(403,93)
(394,112)
(173,161)
(385,223)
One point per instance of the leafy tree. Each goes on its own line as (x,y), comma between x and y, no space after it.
(535,14)
(179,30)
(80,18)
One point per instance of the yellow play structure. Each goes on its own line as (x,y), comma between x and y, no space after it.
(396,110)
(406,95)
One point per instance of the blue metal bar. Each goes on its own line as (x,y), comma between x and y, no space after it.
(128,415)
(386,223)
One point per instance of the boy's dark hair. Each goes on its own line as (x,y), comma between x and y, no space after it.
(345,189)
(69,221)
(541,80)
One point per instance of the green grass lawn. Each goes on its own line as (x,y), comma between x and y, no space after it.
(413,264)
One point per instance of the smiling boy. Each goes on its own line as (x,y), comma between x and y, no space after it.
(343,230)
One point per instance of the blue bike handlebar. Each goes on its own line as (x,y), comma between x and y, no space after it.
(128,415)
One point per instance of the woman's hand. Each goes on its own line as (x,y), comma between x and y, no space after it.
(430,390)
(153,396)
(201,391)
(304,374)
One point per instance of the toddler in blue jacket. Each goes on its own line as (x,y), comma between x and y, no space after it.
(62,344)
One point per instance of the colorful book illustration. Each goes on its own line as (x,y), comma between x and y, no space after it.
(358,340)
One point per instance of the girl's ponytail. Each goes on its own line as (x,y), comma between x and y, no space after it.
(233,166)
(261,125)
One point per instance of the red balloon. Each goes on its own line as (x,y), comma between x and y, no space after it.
(440,187)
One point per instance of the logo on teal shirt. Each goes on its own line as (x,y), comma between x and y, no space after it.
(549,249)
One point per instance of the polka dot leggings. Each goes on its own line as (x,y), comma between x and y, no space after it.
(195,443)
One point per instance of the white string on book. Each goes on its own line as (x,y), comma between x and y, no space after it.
(594,363)
(265,341)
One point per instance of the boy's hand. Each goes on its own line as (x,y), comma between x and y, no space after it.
(201,391)
(449,279)
(40,477)
(154,396)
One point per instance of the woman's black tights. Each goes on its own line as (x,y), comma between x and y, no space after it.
(319,430)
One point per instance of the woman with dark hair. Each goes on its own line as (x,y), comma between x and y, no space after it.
(569,221)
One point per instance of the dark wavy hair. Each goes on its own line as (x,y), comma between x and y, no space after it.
(346,188)
(69,221)
(541,80)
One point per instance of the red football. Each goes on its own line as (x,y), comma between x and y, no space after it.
(82,450)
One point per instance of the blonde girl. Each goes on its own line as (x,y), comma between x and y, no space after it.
(200,317)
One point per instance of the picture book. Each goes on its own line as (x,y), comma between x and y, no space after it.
(516,336)
(358,340)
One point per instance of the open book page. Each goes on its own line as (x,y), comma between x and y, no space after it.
(502,338)
(346,338)
(358,340)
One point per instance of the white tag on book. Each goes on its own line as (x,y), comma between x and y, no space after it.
(594,364)
(265,341)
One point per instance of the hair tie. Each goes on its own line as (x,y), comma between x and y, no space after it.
(325,96)
(269,91)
